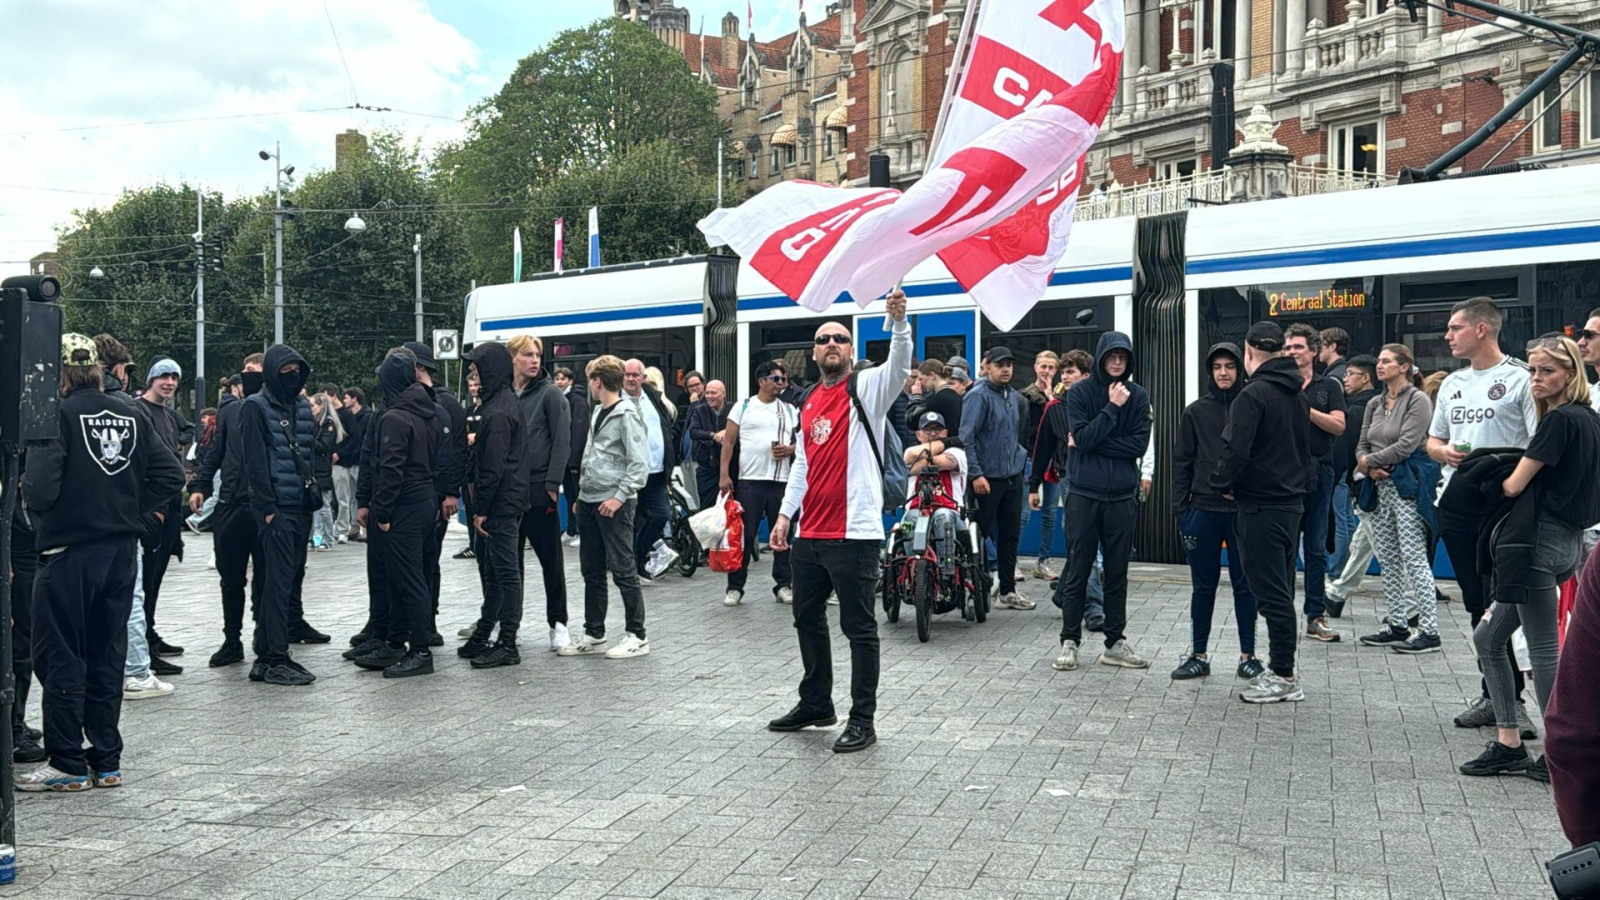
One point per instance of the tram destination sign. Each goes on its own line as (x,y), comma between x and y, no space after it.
(1311,300)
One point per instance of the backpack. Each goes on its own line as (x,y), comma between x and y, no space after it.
(891,462)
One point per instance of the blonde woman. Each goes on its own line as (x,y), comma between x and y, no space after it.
(1558,467)
(330,434)
(1393,429)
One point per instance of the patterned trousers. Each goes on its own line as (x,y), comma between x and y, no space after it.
(1401,539)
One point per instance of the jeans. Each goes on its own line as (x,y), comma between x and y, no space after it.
(1314,527)
(849,568)
(1558,553)
(569,500)
(1106,525)
(1344,526)
(1463,549)
(706,485)
(344,488)
(211,501)
(137,663)
(605,546)
(1049,510)
(651,514)
(168,537)
(541,528)
(1266,541)
(500,573)
(1204,533)
(322,526)
(999,519)
(84,596)
(760,500)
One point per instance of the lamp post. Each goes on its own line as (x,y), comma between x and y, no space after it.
(416,250)
(199,302)
(277,227)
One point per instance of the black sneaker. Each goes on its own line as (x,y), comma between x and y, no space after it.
(33,733)
(1193,667)
(1538,771)
(501,654)
(381,657)
(25,749)
(435,639)
(363,648)
(415,662)
(160,666)
(473,648)
(1250,668)
(465,553)
(160,647)
(1498,759)
(231,651)
(1095,623)
(258,670)
(1388,637)
(359,638)
(295,665)
(1333,608)
(305,634)
(1419,643)
(285,675)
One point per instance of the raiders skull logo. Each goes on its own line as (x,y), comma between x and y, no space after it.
(110,439)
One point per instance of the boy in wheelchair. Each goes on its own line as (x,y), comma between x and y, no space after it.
(938,467)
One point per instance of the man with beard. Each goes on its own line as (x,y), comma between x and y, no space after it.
(278,433)
(1264,465)
(163,537)
(497,495)
(547,435)
(836,488)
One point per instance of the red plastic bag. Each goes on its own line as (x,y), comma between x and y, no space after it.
(729,556)
(1567,599)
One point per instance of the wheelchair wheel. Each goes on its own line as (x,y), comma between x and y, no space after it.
(980,591)
(922,597)
(688,549)
(891,593)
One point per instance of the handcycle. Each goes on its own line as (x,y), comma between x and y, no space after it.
(915,575)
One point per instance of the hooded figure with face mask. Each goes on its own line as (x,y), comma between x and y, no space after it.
(279,435)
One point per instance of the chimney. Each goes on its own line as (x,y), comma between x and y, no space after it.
(348,148)
(730,41)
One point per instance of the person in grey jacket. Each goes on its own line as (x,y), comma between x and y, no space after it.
(547,437)
(616,464)
(1394,426)
(990,426)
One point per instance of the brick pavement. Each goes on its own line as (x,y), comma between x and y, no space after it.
(994,775)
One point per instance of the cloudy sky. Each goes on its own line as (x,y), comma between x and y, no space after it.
(106,94)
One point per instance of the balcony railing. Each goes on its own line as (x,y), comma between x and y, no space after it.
(1208,189)
(1359,43)
(1183,88)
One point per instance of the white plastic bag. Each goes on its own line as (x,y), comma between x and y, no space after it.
(711,523)
(1519,646)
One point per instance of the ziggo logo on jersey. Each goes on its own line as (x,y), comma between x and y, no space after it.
(1464,416)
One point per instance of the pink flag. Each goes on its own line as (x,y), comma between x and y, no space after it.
(1039,82)
(561,246)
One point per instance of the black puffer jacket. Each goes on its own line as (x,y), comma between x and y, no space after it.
(408,438)
(1199,447)
(497,477)
(1266,455)
(270,419)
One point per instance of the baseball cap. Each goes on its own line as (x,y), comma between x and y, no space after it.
(999,355)
(77,350)
(423,353)
(931,418)
(1265,336)
(959,374)
(958,362)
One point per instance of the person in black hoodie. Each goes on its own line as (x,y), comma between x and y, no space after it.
(497,493)
(354,416)
(88,492)
(403,510)
(450,474)
(234,534)
(1264,465)
(279,436)
(578,404)
(547,436)
(1108,427)
(1205,518)
(161,542)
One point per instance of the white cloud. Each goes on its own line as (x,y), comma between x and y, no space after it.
(77,63)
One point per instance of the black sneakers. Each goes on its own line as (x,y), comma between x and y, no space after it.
(160,647)
(501,654)
(415,662)
(1498,759)
(305,634)
(381,657)
(1192,667)
(1388,637)
(231,651)
(25,749)
(1538,771)
(801,717)
(1419,643)
(286,675)
(159,666)
(473,648)
(1250,668)
(363,648)
(1095,623)
(435,639)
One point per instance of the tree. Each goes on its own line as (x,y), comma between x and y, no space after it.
(571,112)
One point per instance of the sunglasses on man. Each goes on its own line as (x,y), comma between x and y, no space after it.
(825,339)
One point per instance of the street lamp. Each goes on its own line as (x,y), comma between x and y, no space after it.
(355,224)
(279,173)
(416,250)
(97,272)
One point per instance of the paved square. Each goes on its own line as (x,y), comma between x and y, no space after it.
(994,775)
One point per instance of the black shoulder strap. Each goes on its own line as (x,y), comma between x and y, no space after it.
(294,450)
(866,423)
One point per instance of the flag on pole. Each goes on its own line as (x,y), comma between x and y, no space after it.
(516,254)
(993,197)
(750,15)
(561,225)
(594,237)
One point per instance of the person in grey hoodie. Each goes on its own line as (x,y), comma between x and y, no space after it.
(990,425)
(548,441)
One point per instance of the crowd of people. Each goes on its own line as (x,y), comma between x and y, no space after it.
(1297,456)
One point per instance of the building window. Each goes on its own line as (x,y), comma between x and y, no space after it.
(736,168)
(777,160)
(788,155)
(1356,147)
(805,149)
(755,165)
(1547,134)
(896,81)
(827,143)
(1174,169)
(1591,109)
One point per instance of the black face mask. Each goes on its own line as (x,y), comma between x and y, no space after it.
(292,382)
(252,382)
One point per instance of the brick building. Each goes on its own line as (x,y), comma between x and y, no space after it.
(1357,90)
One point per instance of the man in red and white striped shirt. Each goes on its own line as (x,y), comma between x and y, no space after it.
(836,486)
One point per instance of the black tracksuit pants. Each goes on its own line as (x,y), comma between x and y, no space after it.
(1463,549)
(999,518)
(283,552)
(760,500)
(430,558)
(157,558)
(83,596)
(24,566)
(236,539)
(1269,540)
(501,574)
(849,568)
(408,613)
(541,528)
(1108,525)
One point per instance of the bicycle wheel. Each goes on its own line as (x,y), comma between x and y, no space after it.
(891,594)
(980,592)
(688,551)
(922,597)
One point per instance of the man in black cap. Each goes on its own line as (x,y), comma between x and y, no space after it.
(1263,468)
(990,424)
(452,465)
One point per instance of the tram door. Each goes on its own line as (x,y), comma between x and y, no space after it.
(938,335)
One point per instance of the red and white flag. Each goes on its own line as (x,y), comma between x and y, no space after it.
(996,195)
(561,242)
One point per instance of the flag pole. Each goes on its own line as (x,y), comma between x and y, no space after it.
(958,67)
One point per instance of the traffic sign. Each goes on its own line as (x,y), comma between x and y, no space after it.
(446,343)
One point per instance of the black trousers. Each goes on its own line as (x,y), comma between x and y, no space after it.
(283,552)
(761,500)
(1108,525)
(650,514)
(380,594)
(83,596)
(500,572)
(708,483)
(850,569)
(156,558)
(430,561)
(403,549)
(607,548)
(541,528)
(1463,549)
(24,566)
(236,538)
(999,518)
(1268,539)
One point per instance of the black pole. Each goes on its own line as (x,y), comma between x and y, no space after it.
(8,683)
(1533,90)
(878,170)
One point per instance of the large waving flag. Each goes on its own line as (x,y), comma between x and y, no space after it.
(996,196)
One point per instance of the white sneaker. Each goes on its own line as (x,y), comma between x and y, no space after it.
(50,778)
(1013,601)
(732,597)
(583,646)
(833,599)
(145,688)
(631,646)
(341,539)
(785,595)
(1068,660)
(1273,688)
(212,562)
(559,637)
(572,541)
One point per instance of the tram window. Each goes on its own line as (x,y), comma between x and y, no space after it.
(1566,293)
(1423,332)
(1057,325)
(1414,293)
(791,342)
(945,346)
(877,351)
